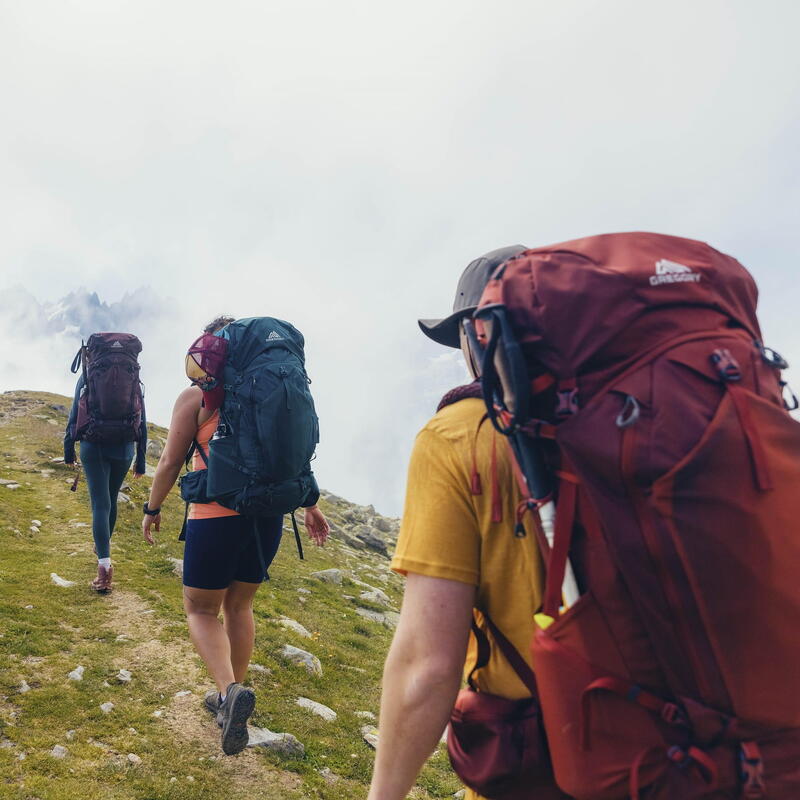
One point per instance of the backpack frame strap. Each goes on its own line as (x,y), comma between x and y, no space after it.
(297,539)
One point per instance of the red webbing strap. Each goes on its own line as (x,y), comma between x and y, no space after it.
(557,563)
(542,383)
(475,478)
(497,503)
(517,662)
(483,654)
(669,712)
(677,756)
(758,457)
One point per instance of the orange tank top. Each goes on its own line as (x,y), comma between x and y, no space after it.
(207,510)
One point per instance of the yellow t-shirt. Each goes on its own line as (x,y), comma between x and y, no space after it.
(447,532)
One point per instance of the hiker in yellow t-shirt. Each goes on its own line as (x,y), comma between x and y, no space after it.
(458,550)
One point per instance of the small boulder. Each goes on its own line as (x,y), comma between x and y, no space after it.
(124,676)
(107,708)
(328,714)
(370,735)
(77,673)
(24,688)
(155,447)
(294,625)
(261,668)
(177,566)
(374,616)
(123,498)
(36,522)
(59,581)
(284,744)
(134,759)
(302,658)
(329,576)
(368,715)
(59,751)
(376,596)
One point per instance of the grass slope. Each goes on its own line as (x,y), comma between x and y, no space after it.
(157,743)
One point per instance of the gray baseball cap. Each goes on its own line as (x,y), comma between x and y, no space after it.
(470,288)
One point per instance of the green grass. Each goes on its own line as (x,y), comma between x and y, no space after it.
(178,748)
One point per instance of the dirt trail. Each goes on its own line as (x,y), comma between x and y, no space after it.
(183,715)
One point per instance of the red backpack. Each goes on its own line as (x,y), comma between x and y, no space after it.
(110,406)
(629,374)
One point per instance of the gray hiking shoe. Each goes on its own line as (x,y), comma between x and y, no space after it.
(212,704)
(235,711)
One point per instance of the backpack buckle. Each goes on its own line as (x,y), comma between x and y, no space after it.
(727,366)
(751,771)
(772,358)
(567,402)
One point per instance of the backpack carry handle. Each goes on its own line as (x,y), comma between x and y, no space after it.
(79,359)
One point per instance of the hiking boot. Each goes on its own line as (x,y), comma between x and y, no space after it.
(234,712)
(212,704)
(102,583)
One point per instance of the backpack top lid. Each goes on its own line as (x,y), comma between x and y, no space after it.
(568,301)
(249,337)
(110,342)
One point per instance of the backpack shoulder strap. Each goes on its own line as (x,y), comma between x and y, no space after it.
(511,654)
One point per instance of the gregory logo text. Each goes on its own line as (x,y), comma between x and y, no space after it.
(273,335)
(673,272)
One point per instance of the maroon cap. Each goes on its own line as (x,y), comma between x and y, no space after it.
(205,366)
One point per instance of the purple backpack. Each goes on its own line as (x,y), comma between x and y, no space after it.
(111,402)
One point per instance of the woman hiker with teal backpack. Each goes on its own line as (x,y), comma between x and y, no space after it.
(108,419)
(226,553)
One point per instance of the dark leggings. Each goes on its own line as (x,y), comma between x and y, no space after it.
(105,471)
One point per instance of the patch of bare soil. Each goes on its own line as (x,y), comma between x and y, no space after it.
(249,773)
(173,660)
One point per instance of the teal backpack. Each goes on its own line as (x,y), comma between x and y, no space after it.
(259,460)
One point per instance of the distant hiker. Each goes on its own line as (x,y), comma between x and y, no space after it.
(250,448)
(107,418)
(468,569)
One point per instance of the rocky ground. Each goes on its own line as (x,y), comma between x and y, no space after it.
(101,696)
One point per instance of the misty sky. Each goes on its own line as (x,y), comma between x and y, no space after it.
(338,164)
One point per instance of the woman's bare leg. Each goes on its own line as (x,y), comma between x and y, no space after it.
(237,609)
(207,633)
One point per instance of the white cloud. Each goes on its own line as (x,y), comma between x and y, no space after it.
(337,164)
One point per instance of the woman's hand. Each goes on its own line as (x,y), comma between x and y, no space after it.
(149,522)
(316,525)
(137,475)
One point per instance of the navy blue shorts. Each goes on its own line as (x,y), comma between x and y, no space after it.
(221,550)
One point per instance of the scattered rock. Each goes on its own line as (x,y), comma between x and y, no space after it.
(58,407)
(15,485)
(328,714)
(374,616)
(123,498)
(376,596)
(122,638)
(391,618)
(284,744)
(373,541)
(382,524)
(302,658)
(155,447)
(59,581)
(36,522)
(329,576)
(59,751)
(70,735)
(328,775)
(77,673)
(261,668)
(158,713)
(149,472)
(23,687)
(183,693)
(365,715)
(134,759)
(460,794)
(33,529)
(177,566)
(124,676)
(293,625)
(370,735)
(107,708)
(304,591)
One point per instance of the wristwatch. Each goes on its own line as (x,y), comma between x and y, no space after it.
(151,512)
